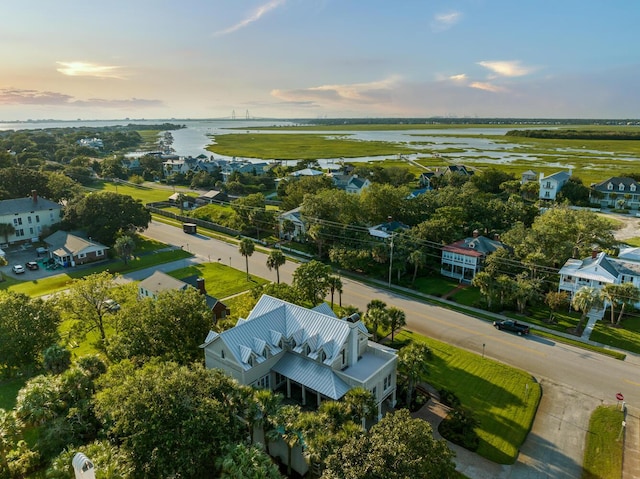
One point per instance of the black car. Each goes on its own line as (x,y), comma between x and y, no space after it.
(32,265)
(513,326)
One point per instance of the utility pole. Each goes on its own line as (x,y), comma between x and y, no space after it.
(391,260)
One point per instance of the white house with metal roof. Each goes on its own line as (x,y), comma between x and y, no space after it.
(600,269)
(309,352)
(552,184)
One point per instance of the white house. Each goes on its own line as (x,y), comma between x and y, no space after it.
(67,249)
(309,353)
(299,226)
(464,258)
(551,185)
(157,283)
(350,183)
(29,216)
(600,269)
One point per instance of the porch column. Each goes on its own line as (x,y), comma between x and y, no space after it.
(393,398)
(304,395)
(318,398)
(379,410)
(288,388)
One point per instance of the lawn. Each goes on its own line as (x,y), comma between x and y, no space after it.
(146,194)
(503,399)
(9,391)
(633,241)
(603,450)
(435,285)
(302,146)
(626,337)
(220,280)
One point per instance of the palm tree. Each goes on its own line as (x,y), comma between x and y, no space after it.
(417,258)
(335,284)
(611,293)
(376,316)
(276,259)
(397,319)
(286,428)
(263,404)
(6,229)
(412,364)
(584,300)
(246,462)
(629,295)
(246,249)
(362,405)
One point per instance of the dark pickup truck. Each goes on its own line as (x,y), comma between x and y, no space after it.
(511,325)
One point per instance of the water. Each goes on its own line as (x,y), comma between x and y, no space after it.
(193,140)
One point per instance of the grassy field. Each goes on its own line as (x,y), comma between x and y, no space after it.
(146,194)
(503,399)
(220,280)
(603,450)
(301,146)
(626,338)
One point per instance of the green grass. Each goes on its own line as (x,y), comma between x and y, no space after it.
(603,450)
(435,285)
(301,146)
(626,337)
(146,194)
(633,241)
(9,391)
(539,315)
(220,280)
(503,399)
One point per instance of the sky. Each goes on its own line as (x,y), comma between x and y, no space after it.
(287,59)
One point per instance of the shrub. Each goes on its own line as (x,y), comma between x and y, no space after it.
(449,398)
(459,428)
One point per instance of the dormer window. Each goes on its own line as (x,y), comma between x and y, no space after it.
(621,187)
(632,187)
(610,186)
(307,350)
(323,356)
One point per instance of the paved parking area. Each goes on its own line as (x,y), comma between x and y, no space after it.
(17,254)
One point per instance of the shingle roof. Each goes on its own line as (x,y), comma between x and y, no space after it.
(25,205)
(616,181)
(63,243)
(479,246)
(160,281)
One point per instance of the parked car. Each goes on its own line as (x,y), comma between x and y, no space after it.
(111,305)
(32,265)
(18,268)
(513,326)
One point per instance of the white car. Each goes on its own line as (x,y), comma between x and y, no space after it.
(18,268)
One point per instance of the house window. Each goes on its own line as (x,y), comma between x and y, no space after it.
(100,252)
(37,218)
(20,232)
(621,187)
(307,350)
(374,392)
(548,185)
(17,221)
(323,356)
(29,219)
(81,255)
(222,353)
(547,195)
(31,231)
(632,187)
(344,356)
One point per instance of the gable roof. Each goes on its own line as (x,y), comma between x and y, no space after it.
(600,268)
(630,254)
(616,181)
(559,176)
(474,246)
(306,172)
(159,281)
(26,205)
(62,243)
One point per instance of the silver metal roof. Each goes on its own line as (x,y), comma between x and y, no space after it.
(312,375)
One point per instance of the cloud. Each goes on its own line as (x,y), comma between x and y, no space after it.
(507,68)
(255,16)
(15,96)
(84,69)
(444,21)
(486,86)
(462,77)
(355,93)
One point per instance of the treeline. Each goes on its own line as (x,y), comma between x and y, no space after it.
(565,134)
(463,121)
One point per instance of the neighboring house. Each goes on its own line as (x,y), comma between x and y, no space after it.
(463,259)
(306,353)
(68,249)
(416,193)
(29,217)
(600,269)
(528,177)
(426,178)
(350,183)
(212,196)
(616,189)
(552,184)
(299,226)
(159,282)
(174,167)
(243,166)
(386,230)
(187,201)
(306,172)
(91,143)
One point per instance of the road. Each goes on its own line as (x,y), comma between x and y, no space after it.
(574,380)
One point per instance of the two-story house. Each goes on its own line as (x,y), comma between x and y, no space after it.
(291,225)
(616,192)
(599,270)
(30,217)
(464,258)
(552,184)
(307,353)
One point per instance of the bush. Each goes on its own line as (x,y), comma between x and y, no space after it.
(56,359)
(449,398)
(459,428)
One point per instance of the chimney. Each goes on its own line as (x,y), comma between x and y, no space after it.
(389,219)
(200,286)
(34,196)
(594,253)
(475,233)
(541,175)
(496,237)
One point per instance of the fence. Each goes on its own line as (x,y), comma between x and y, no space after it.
(157,209)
